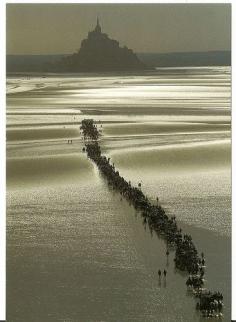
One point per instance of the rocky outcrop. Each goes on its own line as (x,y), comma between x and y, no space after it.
(100,53)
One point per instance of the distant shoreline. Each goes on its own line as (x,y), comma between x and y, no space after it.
(145,72)
(38,63)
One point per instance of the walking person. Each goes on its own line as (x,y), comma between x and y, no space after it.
(165,272)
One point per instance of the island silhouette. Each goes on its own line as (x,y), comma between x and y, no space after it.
(98,52)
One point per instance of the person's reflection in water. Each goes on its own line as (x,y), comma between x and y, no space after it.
(164,284)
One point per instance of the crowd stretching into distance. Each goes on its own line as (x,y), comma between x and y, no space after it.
(187,259)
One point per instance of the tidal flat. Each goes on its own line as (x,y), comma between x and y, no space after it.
(75,250)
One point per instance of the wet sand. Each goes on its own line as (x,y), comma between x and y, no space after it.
(40,134)
(75,251)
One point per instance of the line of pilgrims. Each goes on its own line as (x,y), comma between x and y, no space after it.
(186,256)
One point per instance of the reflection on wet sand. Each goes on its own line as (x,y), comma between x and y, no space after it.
(76,250)
(177,157)
(40,134)
(47,170)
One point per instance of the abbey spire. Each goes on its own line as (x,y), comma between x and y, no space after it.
(98,27)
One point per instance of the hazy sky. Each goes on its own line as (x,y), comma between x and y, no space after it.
(59,28)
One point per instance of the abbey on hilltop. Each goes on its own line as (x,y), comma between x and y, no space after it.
(100,53)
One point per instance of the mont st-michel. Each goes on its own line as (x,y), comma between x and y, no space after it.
(98,52)
(118,163)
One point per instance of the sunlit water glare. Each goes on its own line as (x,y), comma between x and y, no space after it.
(75,251)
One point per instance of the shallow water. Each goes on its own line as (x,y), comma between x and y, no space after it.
(75,251)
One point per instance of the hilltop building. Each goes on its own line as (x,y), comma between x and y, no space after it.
(100,53)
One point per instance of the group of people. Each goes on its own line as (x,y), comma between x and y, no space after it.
(210,304)
(186,255)
(89,129)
